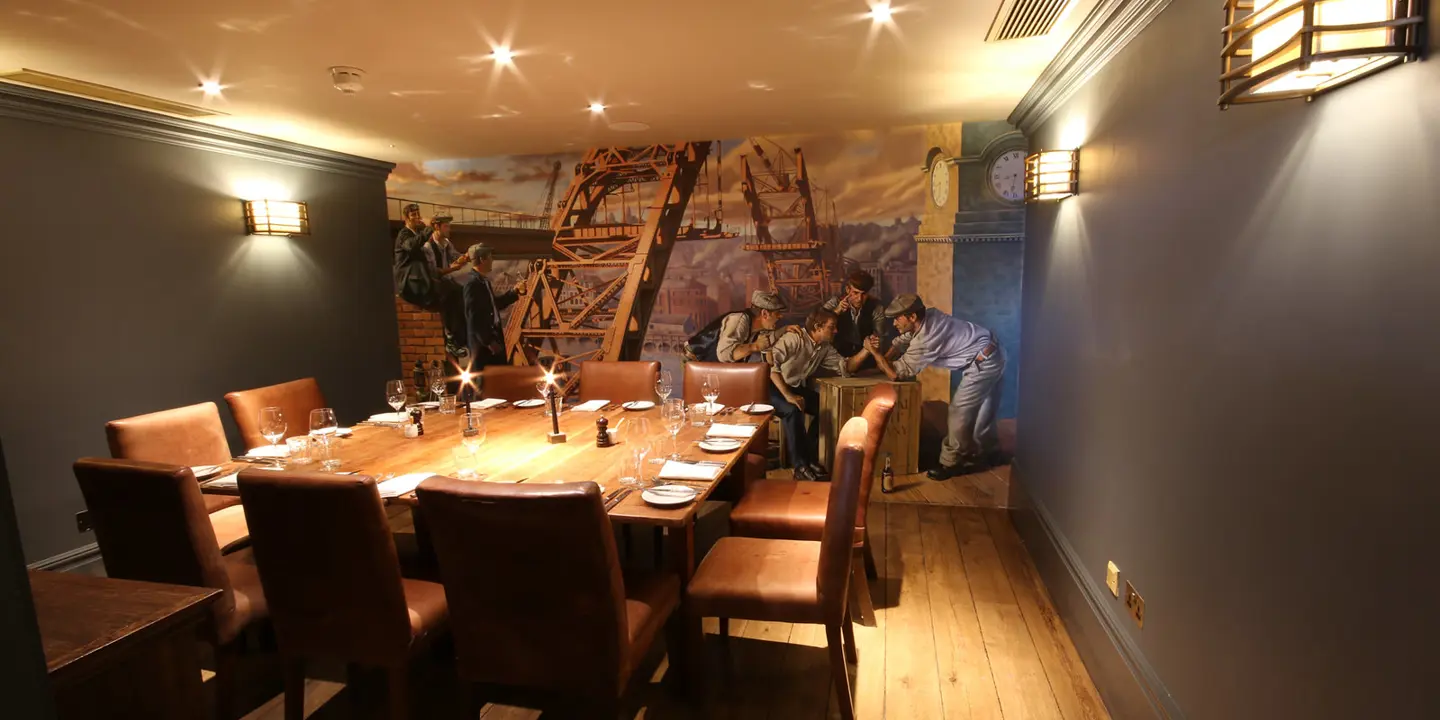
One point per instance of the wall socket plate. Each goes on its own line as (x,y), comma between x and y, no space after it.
(82,521)
(1135,604)
(1112,578)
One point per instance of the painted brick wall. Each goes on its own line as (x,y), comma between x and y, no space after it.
(421,338)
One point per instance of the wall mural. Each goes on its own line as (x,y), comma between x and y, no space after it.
(795,213)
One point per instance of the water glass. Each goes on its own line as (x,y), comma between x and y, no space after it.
(447,405)
(322,427)
(472,430)
(299,450)
(465,460)
(395,394)
(272,424)
(327,452)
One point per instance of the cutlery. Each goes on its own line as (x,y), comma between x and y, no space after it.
(611,495)
(258,461)
(675,490)
(624,493)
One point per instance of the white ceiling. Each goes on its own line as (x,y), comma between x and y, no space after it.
(691,69)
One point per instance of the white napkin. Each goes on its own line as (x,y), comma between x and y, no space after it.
(397,486)
(689,471)
(269,451)
(707,408)
(591,406)
(224,481)
(731,431)
(390,417)
(487,403)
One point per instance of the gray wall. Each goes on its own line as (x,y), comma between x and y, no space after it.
(130,287)
(1232,363)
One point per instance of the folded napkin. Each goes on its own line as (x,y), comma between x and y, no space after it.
(269,451)
(674,470)
(707,408)
(400,485)
(731,431)
(224,481)
(487,403)
(591,406)
(390,417)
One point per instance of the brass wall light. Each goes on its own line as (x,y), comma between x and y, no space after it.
(1282,49)
(1052,175)
(276,217)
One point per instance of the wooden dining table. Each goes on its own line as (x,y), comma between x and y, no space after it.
(517,449)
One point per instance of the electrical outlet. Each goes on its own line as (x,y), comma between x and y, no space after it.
(1135,604)
(82,521)
(1112,579)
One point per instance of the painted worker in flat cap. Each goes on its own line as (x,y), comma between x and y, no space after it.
(485,335)
(745,334)
(929,337)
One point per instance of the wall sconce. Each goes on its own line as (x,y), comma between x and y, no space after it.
(1052,175)
(1282,49)
(276,217)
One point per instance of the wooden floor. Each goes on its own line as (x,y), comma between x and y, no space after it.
(964,630)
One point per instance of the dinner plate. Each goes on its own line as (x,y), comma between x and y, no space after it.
(428,405)
(391,417)
(671,496)
(638,405)
(532,402)
(344,432)
(756,408)
(720,445)
(205,471)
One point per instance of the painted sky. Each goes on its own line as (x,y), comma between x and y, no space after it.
(871,176)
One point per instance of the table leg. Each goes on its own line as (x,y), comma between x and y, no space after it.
(690,636)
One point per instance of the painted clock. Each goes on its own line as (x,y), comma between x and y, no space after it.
(940,180)
(1007,175)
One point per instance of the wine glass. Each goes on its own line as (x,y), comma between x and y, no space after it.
(437,383)
(672,413)
(272,424)
(664,385)
(395,394)
(710,390)
(323,426)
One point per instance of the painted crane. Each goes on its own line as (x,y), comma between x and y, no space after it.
(800,252)
(549,203)
(614,232)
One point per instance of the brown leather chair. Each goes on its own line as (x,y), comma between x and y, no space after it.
(795,510)
(510,382)
(295,399)
(190,435)
(330,571)
(619,381)
(740,383)
(554,612)
(795,581)
(151,524)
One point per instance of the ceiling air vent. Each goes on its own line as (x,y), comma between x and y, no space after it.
(1025,18)
(71,86)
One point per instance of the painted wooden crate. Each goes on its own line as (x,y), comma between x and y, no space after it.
(844,398)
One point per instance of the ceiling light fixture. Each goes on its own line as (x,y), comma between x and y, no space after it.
(597,108)
(503,55)
(211,88)
(881,13)
(1281,49)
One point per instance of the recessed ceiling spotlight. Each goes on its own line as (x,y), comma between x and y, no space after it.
(760,85)
(597,108)
(502,55)
(629,126)
(346,79)
(211,88)
(881,13)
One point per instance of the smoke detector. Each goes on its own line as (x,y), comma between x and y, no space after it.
(348,80)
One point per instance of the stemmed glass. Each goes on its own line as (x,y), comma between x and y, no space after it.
(664,386)
(323,426)
(710,390)
(272,424)
(437,383)
(672,413)
(395,394)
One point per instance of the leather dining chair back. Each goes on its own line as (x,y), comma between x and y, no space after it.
(618,381)
(740,383)
(533,583)
(510,382)
(837,540)
(328,565)
(877,415)
(190,435)
(295,399)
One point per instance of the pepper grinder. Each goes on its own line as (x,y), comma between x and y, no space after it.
(602,434)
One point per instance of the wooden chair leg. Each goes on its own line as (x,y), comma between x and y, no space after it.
(840,672)
(294,689)
(399,691)
(870,570)
(862,606)
(848,632)
(725,628)
(226,683)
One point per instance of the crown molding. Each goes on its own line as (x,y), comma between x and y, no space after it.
(1109,27)
(27,103)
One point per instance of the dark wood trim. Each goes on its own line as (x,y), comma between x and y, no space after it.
(27,103)
(70,560)
(1127,681)
(1109,27)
